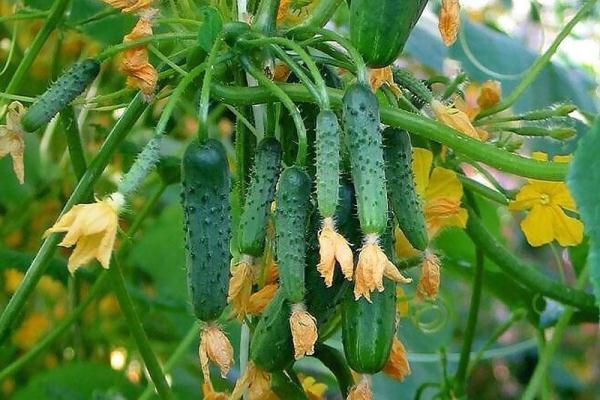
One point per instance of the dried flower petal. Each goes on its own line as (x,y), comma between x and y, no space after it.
(11,139)
(257,382)
(429,282)
(130,6)
(490,94)
(454,118)
(92,228)
(362,391)
(240,287)
(449,23)
(215,347)
(208,392)
(281,72)
(397,365)
(140,73)
(258,301)
(332,247)
(383,76)
(304,331)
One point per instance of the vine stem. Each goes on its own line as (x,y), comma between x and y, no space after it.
(116,49)
(539,374)
(539,63)
(54,16)
(205,91)
(417,124)
(137,330)
(81,192)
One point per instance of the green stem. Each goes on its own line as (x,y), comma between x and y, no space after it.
(524,274)
(205,92)
(465,353)
(178,353)
(82,191)
(414,123)
(287,102)
(48,339)
(69,122)
(546,358)
(482,190)
(539,63)
(55,14)
(19,16)
(116,49)
(137,330)
(319,16)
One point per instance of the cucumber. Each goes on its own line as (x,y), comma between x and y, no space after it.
(285,387)
(363,140)
(261,191)
(379,28)
(401,186)
(291,218)
(328,162)
(68,86)
(206,187)
(271,347)
(335,362)
(368,329)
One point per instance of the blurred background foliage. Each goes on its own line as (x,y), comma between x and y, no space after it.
(97,358)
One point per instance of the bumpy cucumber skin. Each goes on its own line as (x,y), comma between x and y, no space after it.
(379,29)
(261,191)
(363,140)
(271,347)
(401,186)
(206,187)
(68,86)
(328,162)
(291,218)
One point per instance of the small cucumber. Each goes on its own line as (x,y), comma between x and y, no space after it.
(68,86)
(363,140)
(369,328)
(206,187)
(401,186)
(291,219)
(261,191)
(271,347)
(379,29)
(336,363)
(285,387)
(328,162)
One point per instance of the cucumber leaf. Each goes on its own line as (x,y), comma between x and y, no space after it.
(210,28)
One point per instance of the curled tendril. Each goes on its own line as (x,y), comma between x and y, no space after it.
(430,316)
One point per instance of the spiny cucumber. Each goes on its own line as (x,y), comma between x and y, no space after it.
(328,162)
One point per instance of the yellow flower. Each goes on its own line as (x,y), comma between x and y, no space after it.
(397,365)
(31,331)
(546,203)
(240,287)
(215,347)
(130,6)
(332,247)
(259,300)
(92,228)
(361,391)
(456,119)
(383,76)
(478,97)
(304,331)
(401,302)
(449,22)
(11,139)
(429,282)
(313,389)
(372,266)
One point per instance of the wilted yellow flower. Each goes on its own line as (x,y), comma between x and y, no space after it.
(304,331)
(546,203)
(281,72)
(397,365)
(208,392)
(383,76)
(92,228)
(12,279)
(372,266)
(292,12)
(429,282)
(240,287)
(140,73)
(334,247)
(449,22)
(456,119)
(32,329)
(313,389)
(257,382)
(130,6)
(11,139)
(215,347)
(478,97)
(259,300)
(361,391)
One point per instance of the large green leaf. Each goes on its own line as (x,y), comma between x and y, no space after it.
(584,182)
(76,381)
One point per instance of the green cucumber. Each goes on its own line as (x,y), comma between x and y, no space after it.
(285,387)
(363,140)
(271,347)
(261,191)
(291,219)
(369,328)
(379,28)
(68,86)
(206,187)
(401,186)
(336,363)
(328,162)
